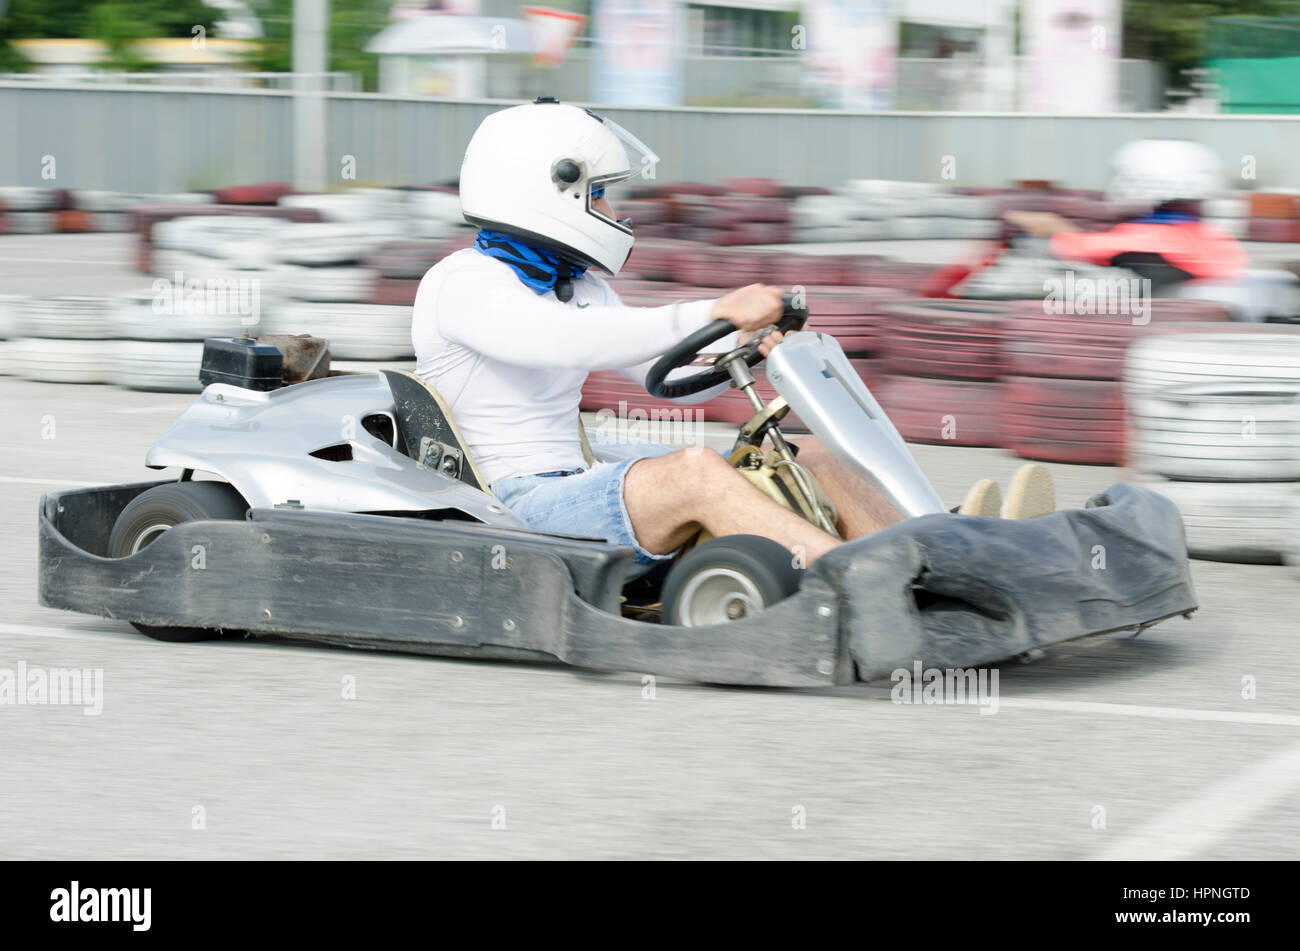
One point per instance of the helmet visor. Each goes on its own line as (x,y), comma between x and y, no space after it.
(641,160)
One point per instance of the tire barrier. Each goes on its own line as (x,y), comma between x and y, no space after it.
(147,317)
(354,331)
(1092,348)
(1218,432)
(941,412)
(1215,425)
(945,338)
(163,366)
(1230,353)
(59,360)
(328,284)
(1058,420)
(1252,522)
(405,260)
(77,318)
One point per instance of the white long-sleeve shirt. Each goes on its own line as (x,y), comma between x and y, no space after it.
(510,363)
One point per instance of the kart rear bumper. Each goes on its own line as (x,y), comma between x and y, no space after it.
(947,591)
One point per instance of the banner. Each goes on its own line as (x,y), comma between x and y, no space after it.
(637,57)
(553,32)
(851,47)
(1071,52)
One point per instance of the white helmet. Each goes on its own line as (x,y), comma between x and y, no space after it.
(1156,171)
(529,171)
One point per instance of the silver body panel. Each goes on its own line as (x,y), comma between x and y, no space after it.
(1254,297)
(812,374)
(261,443)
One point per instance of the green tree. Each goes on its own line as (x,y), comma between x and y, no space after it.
(115,22)
(1176,34)
(352,24)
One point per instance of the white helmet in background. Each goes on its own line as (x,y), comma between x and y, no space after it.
(530,171)
(1156,171)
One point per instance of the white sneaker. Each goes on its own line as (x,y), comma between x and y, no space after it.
(1031,493)
(984,499)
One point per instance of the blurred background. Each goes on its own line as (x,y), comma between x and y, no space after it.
(177,170)
(173,170)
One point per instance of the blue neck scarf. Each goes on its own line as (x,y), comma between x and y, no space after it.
(1166,217)
(538,268)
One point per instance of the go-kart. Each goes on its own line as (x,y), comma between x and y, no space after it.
(349,510)
(1017,267)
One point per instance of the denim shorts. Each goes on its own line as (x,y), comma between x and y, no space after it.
(583,501)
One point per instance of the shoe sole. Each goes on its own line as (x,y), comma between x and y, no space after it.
(1031,493)
(983,499)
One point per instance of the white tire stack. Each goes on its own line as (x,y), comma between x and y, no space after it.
(355,331)
(328,284)
(320,245)
(49,360)
(166,366)
(1223,441)
(1236,521)
(1230,214)
(433,214)
(19,198)
(108,210)
(1176,359)
(348,207)
(164,335)
(64,340)
(8,330)
(1217,432)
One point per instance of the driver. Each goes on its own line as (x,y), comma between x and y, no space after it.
(508,330)
(1165,181)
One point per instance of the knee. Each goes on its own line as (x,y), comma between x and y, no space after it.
(700,470)
(811,452)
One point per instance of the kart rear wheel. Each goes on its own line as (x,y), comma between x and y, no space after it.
(155,511)
(726,579)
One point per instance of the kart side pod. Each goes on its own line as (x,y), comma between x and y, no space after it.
(944,590)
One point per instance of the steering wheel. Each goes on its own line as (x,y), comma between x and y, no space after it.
(685,352)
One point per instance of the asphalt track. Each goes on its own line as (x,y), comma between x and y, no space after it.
(1114,747)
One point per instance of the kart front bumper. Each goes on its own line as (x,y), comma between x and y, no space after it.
(943,590)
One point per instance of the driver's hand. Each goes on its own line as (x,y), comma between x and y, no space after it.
(765,345)
(1037,224)
(750,308)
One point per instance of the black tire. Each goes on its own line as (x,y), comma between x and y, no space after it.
(162,507)
(748,573)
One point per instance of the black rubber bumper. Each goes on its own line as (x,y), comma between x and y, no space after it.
(948,591)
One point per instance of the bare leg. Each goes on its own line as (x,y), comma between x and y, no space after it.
(669,498)
(862,508)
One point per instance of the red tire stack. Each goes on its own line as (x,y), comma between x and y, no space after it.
(943,359)
(905,276)
(607,389)
(1063,396)
(400,265)
(266,193)
(1273,217)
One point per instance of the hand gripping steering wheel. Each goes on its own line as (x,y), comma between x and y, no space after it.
(688,350)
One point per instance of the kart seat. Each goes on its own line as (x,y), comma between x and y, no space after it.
(425,426)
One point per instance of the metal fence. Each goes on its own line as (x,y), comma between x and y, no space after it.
(147,140)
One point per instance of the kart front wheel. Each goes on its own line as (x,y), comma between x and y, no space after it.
(153,512)
(726,579)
